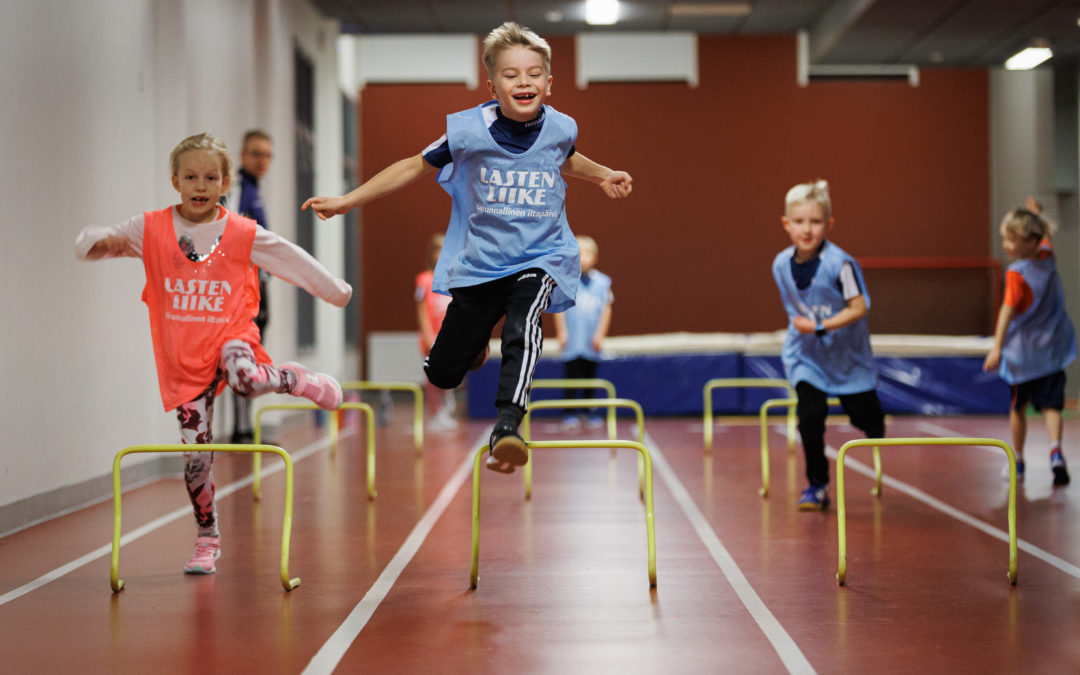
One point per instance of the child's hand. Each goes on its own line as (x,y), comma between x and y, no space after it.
(803,324)
(597,343)
(993,359)
(326,207)
(115,246)
(617,184)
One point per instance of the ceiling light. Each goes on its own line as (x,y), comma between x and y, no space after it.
(1028,58)
(704,9)
(601,12)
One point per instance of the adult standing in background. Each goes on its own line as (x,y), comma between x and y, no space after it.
(246,199)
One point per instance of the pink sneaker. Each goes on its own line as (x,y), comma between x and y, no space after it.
(207,551)
(319,388)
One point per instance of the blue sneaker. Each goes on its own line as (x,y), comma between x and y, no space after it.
(814,498)
(1057,465)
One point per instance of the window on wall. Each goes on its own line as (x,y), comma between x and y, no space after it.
(351,176)
(304,73)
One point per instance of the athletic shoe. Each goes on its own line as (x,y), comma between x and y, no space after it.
(814,498)
(507,449)
(442,421)
(319,388)
(595,421)
(570,423)
(207,551)
(1019,471)
(1057,465)
(242,438)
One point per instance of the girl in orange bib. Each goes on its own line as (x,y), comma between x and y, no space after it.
(202,294)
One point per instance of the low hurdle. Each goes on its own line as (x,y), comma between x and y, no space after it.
(418,402)
(790,404)
(474,571)
(841,512)
(611,404)
(582,383)
(256,468)
(286,529)
(743,383)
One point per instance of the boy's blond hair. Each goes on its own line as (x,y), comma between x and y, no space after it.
(585,241)
(817,192)
(203,141)
(508,35)
(1027,224)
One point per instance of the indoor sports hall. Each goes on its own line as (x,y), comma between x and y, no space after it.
(657,527)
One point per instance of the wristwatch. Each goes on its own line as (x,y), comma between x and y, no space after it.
(819,329)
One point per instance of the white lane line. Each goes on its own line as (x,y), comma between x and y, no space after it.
(940,431)
(935,503)
(793,658)
(333,650)
(138,532)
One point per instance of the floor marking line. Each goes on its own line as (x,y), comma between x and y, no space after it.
(935,503)
(793,658)
(333,650)
(149,527)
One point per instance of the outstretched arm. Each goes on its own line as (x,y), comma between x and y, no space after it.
(615,184)
(394,177)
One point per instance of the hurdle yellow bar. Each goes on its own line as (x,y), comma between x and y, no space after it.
(582,383)
(286,528)
(743,383)
(841,512)
(790,403)
(610,404)
(256,487)
(418,402)
(474,572)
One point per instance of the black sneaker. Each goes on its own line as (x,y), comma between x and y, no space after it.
(243,438)
(1057,465)
(508,449)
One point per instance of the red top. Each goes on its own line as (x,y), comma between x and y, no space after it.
(196,307)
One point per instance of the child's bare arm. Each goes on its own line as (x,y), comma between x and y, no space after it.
(427,331)
(560,330)
(993,357)
(602,327)
(854,310)
(392,178)
(615,184)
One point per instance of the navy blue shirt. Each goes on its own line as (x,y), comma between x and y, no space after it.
(511,135)
(803,273)
(251,204)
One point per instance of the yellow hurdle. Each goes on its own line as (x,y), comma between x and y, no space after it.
(611,404)
(418,402)
(474,572)
(841,512)
(743,383)
(286,529)
(582,383)
(256,488)
(790,404)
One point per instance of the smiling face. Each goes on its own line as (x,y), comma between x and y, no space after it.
(519,82)
(805,222)
(200,179)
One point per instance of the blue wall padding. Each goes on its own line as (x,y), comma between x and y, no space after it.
(672,384)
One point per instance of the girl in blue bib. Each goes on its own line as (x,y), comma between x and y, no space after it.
(827,347)
(1034,338)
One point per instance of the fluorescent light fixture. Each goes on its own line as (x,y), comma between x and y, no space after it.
(601,12)
(1028,58)
(707,9)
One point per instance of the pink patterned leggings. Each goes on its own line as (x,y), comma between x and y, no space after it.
(245,377)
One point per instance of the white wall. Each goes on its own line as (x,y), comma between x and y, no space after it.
(96,94)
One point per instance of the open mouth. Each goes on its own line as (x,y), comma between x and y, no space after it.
(200,201)
(525,97)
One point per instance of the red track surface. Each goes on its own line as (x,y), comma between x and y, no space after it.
(563,578)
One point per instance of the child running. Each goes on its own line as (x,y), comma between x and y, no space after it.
(1034,338)
(509,250)
(430,310)
(827,347)
(202,295)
